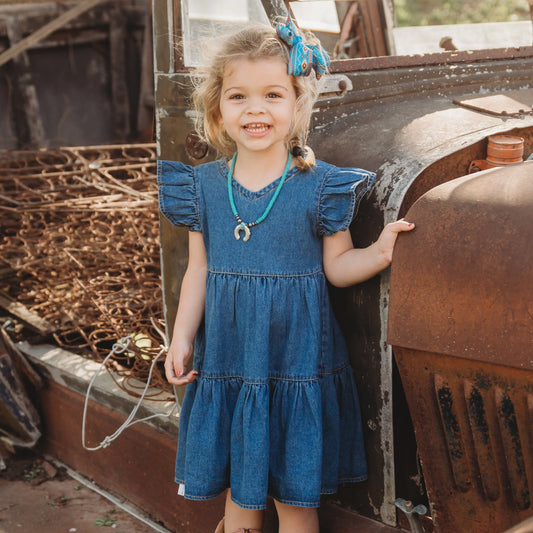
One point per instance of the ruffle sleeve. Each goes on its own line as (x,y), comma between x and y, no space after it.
(342,191)
(178,194)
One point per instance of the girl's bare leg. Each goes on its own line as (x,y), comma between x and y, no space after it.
(297,519)
(237,517)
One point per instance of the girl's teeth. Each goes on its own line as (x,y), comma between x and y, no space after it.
(256,127)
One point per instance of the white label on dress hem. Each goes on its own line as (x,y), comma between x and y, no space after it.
(181,490)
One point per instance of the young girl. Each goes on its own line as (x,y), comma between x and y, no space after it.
(271,406)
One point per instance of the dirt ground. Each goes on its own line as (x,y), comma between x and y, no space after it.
(37,497)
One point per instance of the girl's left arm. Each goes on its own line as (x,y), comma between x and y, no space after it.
(345,265)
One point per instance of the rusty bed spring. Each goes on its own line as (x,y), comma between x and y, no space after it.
(79,247)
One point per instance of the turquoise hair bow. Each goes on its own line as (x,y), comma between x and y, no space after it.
(302,57)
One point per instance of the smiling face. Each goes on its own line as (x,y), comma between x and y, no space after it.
(257,104)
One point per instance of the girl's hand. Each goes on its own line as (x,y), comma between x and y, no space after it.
(176,361)
(345,265)
(387,239)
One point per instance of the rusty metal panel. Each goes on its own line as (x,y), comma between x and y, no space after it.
(456,165)
(461,327)
(463,282)
(437,58)
(473,422)
(497,104)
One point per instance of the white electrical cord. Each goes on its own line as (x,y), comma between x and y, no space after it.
(118,348)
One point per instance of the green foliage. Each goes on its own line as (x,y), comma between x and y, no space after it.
(107,520)
(34,472)
(434,12)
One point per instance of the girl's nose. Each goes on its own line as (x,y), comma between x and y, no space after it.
(255,106)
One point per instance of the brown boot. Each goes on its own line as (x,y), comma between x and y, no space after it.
(220,529)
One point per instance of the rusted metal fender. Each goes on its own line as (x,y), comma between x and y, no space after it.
(461,326)
(462,280)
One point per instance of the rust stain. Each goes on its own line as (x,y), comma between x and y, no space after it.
(452,431)
(512,445)
(482,441)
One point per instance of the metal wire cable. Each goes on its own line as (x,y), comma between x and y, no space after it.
(120,347)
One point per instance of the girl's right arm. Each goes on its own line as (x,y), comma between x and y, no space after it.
(190,313)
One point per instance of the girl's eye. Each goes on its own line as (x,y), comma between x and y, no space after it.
(236,96)
(273,95)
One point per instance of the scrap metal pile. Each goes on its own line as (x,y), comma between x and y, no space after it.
(79,249)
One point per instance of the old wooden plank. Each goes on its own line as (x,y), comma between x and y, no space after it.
(21,312)
(119,86)
(145,108)
(17,2)
(46,30)
(30,20)
(376,27)
(27,117)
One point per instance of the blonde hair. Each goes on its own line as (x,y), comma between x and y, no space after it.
(254,43)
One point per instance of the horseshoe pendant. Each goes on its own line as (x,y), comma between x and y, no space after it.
(239,228)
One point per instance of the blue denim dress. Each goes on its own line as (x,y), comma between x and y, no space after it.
(274,410)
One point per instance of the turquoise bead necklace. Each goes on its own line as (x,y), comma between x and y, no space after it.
(245,226)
